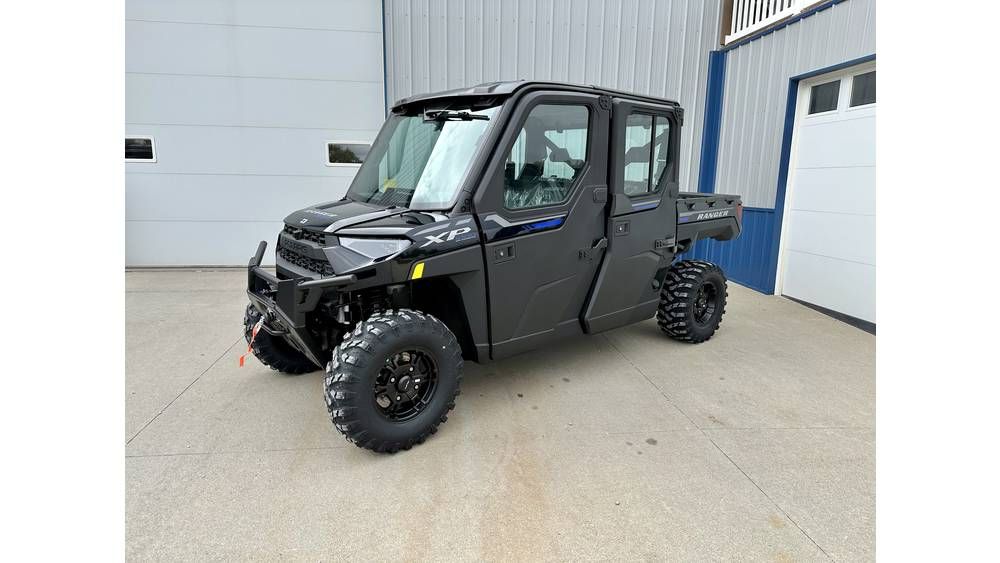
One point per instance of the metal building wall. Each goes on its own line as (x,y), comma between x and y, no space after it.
(646,46)
(754,120)
(240,97)
(756,90)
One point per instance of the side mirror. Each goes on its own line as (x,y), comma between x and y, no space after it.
(559,154)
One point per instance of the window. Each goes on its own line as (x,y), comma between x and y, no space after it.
(420,158)
(139,149)
(340,153)
(647,144)
(863,89)
(548,156)
(823,97)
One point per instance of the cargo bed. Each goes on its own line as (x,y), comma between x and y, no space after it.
(700,216)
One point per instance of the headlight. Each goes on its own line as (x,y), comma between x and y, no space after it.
(374,248)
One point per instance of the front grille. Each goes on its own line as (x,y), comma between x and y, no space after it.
(321,267)
(302,234)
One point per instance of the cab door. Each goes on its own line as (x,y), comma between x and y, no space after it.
(543,216)
(643,221)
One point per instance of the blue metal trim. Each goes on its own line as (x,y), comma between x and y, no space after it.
(832,68)
(385,68)
(810,12)
(744,258)
(786,152)
(527,228)
(642,206)
(714,92)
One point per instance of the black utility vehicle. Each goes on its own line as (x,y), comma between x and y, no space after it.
(485,222)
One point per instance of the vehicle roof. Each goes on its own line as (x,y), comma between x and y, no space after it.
(506,88)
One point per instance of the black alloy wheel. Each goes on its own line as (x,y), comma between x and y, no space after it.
(705,303)
(406,384)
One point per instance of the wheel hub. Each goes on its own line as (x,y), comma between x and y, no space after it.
(705,303)
(405,384)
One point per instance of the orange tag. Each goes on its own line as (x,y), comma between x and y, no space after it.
(253,336)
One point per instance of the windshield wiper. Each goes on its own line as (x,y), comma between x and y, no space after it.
(447,115)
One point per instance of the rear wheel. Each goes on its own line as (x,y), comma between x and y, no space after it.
(274,351)
(692,301)
(393,379)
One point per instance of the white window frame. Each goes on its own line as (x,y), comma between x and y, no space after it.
(850,91)
(326,157)
(152,145)
(840,96)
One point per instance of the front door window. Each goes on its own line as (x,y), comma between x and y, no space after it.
(548,156)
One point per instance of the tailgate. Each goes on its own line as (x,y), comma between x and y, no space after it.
(701,216)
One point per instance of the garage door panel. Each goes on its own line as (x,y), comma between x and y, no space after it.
(847,237)
(846,287)
(313,14)
(242,150)
(837,143)
(190,243)
(261,102)
(828,244)
(222,199)
(182,48)
(837,190)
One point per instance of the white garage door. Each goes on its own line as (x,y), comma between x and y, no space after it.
(828,243)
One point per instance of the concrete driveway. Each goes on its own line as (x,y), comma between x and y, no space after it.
(757,445)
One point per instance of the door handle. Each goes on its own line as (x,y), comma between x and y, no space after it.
(601,195)
(588,253)
(503,253)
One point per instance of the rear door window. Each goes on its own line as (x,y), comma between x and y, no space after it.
(647,150)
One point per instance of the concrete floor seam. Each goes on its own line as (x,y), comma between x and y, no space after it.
(167,406)
(648,380)
(763,492)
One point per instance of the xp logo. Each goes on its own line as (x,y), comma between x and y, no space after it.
(445,237)
(303,221)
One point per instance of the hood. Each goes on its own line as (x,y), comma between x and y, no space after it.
(336,215)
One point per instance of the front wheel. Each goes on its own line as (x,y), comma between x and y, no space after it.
(393,379)
(692,301)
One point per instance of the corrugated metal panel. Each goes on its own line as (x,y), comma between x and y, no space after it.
(646,46)
(745,259)
(757,76)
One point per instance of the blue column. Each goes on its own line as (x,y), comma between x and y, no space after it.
(713,121)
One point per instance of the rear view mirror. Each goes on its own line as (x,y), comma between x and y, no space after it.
(558,154)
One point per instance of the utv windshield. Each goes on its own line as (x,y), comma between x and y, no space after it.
(420,161)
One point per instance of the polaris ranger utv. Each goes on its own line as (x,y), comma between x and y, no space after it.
(485,222)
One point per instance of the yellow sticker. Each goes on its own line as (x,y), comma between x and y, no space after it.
(389,183)
(418,271)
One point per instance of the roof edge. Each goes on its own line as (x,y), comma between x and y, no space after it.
(508,88)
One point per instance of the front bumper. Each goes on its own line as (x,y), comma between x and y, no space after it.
(285,303)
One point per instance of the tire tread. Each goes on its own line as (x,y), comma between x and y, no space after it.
(674,314)
(357,351)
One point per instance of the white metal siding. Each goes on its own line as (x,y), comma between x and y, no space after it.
(756,90)
(240,97)
(646,46)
